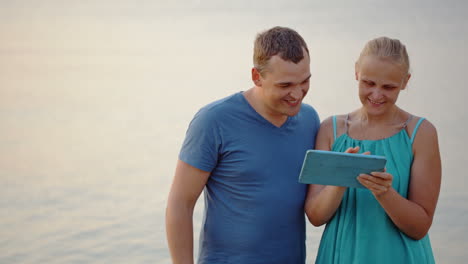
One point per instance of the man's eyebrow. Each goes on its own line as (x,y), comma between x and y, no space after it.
(290,83)
(284,83)
(310,75)
(306,79)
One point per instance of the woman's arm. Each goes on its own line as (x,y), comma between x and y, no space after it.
(413,216)
(322,201)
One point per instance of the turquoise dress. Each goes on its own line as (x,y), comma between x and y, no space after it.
(360,231)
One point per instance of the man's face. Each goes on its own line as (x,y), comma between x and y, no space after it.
(283,86)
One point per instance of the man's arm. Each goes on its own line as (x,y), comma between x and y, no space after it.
(186,188)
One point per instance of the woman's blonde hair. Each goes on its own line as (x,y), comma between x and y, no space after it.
(387,48)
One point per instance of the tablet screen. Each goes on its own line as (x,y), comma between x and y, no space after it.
(338,168)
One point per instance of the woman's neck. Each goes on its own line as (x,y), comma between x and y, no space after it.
(391,117)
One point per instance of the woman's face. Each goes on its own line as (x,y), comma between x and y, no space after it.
(380,81)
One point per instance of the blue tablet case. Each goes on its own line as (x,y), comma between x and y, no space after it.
(338,168)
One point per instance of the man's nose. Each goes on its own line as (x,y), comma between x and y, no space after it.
(296,92)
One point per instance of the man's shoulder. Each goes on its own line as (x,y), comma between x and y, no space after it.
(221,105)
(219,108)
(223,102)
(308,110)
(307,107)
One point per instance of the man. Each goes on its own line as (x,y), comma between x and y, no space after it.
(246,151)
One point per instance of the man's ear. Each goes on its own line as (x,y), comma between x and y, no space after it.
(256,77)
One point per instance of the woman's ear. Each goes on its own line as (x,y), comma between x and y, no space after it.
(356,66)
(406,81)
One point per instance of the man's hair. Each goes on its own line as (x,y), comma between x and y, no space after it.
(282,41)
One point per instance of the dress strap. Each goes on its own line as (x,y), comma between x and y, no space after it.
(407,121)
(416,128)
(346,123)
(334,128)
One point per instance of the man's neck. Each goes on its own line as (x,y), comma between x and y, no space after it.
(254,99)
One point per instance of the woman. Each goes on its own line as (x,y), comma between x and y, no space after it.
(388,221)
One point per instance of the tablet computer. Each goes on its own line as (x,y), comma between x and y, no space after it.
(338,168)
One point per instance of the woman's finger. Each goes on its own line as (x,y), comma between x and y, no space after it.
(352,150)
(382,175)
(376,189)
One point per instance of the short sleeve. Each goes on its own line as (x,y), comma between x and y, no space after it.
(202,141)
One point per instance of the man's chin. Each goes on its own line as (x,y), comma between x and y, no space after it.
(294,112)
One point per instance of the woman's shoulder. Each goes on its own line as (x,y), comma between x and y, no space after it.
(423,135)
(420,125)
(339,120)
(334,124)
(328,123)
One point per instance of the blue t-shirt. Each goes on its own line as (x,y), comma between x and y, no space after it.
(254,205)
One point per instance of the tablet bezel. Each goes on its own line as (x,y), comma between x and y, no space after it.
(338,168)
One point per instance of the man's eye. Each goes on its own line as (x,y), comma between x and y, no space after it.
(389,87)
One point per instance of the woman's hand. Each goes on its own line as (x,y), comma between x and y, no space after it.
(377,182)
(356,150)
